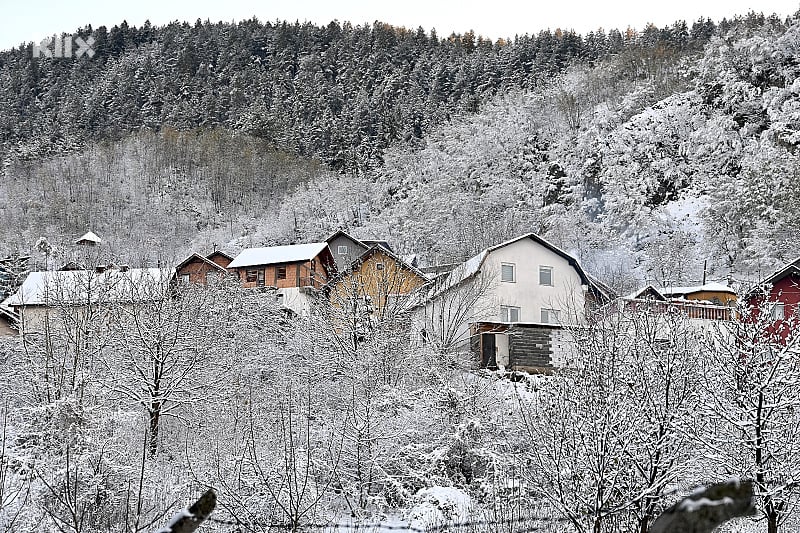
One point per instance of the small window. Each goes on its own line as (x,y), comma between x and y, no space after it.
(184,279)
(251,275)
(261,274)
(509,313)
(777,311)
(507,272)
(281,272)
(551,316)
(379,266)
(546,275)
(341,249)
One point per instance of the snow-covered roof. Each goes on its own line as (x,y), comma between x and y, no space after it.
(782,272)
(206,260)
(278,254)
(467,269)
(79,287)
(89,236)
(708,287)
(643,293)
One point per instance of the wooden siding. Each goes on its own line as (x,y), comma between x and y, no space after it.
(301,274)
(724,298)
(379,284)
(220,259)
(198,270)
(787,292)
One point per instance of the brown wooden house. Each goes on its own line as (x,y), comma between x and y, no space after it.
(294,272)
(298,265)
(201,270)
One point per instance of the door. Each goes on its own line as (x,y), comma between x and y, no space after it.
(488,351)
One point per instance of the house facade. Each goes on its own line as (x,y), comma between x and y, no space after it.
(526,284)
(776,301)
(293,271)
(377,285)
(346,249)
(202,270)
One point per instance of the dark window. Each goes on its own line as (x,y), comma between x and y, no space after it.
(379,266)
(546,275)
(261,274)
(507,272)
(251,275)
(281,272)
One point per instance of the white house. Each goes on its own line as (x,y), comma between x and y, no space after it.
(45,295)
(510,302)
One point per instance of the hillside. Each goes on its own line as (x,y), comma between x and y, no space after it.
(202,135)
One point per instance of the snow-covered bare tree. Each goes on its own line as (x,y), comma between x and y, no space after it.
(613,431)
(171,350)
(451,302)
(753,406)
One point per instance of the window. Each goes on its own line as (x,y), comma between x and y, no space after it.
(546,275)
(250,275)
(379,266)
(341,249)
(776,311)
(550,316)
(281,272)
(509,313)
(261,274)
(184,279)
(507,272)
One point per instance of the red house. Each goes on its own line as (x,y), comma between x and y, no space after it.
(778,296)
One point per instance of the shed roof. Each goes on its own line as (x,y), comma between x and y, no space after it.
(708,287)
(89,236)
(278,254)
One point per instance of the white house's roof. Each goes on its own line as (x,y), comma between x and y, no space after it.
(79,287)
(708,287)
(91,237)
(278,254)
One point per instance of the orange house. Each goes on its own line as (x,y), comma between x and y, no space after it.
(378,283)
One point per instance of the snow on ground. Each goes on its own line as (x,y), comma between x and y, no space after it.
(439,505)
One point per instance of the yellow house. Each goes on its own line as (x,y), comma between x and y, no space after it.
(376,286)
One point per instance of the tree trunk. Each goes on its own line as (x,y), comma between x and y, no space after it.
(155,419)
